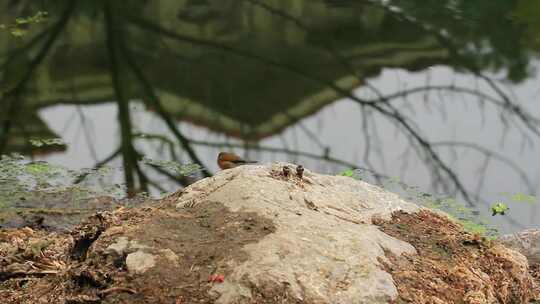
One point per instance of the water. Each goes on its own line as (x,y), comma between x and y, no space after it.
(439,96)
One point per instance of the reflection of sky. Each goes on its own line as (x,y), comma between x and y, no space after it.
(449,117)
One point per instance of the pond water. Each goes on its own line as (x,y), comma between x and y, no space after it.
(440,96)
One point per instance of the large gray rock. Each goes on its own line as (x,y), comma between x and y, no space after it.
(254,234)
(324,247)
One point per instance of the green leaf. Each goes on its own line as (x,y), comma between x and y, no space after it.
(38,168)
(21,20)
(519,197)
(499,208)
(18,32)
(47,142)
(348,173)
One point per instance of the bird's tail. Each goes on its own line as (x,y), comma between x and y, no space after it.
(245,162)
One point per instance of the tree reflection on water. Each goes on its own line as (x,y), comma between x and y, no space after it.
(250,69)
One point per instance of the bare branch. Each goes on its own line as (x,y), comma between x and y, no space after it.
(491,154)
(154,98)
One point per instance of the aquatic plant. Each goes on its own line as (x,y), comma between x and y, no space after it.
(20,26)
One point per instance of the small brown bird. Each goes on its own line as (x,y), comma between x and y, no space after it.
(227,160)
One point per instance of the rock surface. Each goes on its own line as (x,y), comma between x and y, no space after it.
(324,248)
(254,234)
(139,262)
(526,242)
